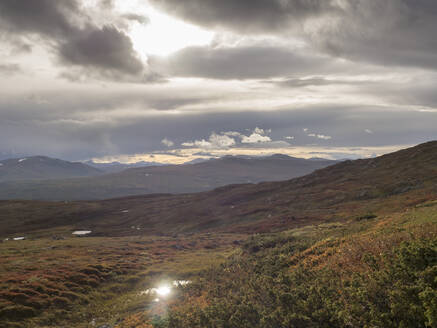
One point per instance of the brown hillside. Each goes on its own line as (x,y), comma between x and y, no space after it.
(348,189)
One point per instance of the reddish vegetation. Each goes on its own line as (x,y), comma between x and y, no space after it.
(53,276)
(58,272)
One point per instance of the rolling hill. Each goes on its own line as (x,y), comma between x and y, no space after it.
(350,245)
(184,178)
(41,167)
(351,188)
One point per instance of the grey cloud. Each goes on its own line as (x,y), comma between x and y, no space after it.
(419,91)
(204,153)
(107,4)
(105,48)
(252,62)
(269,144)
(137,18)
(76,134)
(312,81)
(17,46)
(390,32)
(9,69)
(173,102)
(401,33)
(75,38)
(246,15)
(46,17)
(82,105)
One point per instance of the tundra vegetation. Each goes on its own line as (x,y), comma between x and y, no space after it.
(351,245)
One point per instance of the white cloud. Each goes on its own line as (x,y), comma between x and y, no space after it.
(226,139)
(316,135)
(203,144)
(231,133)
(368,131)
(258,136)
(215,141)
(319,136)
(258,130)
(167,142)
(220,141)
(255,138)
(289,137)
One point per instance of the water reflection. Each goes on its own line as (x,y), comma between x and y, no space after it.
(163,291)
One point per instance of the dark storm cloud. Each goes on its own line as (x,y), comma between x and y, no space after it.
(46,17)
(390,32)
(76,40)
(105,48)
(249,62)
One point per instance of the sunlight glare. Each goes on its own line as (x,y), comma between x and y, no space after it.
(165,34)
(163,290)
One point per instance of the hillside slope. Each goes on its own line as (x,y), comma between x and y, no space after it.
(41,167)
(165,179)
(352,188)
(371,273)
(352,245)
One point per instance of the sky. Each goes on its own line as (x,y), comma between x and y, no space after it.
(170,80)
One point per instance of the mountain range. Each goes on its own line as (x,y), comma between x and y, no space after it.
(42,167)
(383,184)
(112,167)
(184,178)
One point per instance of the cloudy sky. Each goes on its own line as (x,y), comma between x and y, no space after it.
(172,80)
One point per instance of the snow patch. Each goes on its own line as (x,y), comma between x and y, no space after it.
(19,238)
(81,232)
(21,160)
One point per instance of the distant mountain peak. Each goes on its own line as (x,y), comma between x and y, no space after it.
(43,167)
(183,178)
(281,156)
